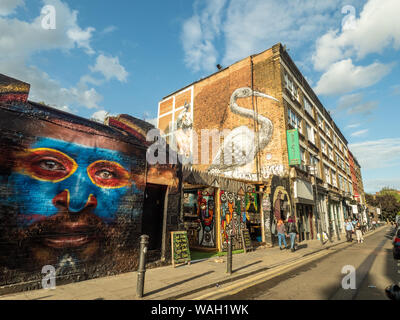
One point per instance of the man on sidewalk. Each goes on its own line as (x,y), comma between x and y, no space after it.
(292,232)
(349,230)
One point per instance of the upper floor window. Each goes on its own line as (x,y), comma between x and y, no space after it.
(320,122)
(315,162)
(291,86)
(303,156)
(330,153)
(328,131)
(327,175)
(308,107)
(310,133)
(323,146)
(334,182)
(294,120)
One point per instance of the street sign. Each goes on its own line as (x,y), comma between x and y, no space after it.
(293,147)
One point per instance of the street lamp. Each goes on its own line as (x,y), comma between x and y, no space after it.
(313,171)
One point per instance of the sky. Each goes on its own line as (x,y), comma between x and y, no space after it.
(98,57)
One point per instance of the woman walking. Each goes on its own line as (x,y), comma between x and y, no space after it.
(359,235)
(281,234)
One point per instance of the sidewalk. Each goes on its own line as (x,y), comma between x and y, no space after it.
(183,282)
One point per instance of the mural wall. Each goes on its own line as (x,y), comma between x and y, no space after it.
(71,196)
(232,219)
(206,214)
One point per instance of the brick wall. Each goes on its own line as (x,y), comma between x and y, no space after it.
(71,196)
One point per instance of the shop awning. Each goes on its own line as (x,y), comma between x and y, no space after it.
(196,177)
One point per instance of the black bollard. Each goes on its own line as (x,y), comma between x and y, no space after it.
(229,256)
(144,241)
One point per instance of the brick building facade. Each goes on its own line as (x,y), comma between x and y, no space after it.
(250,105)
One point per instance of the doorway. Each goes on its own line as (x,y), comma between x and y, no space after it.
(153,210)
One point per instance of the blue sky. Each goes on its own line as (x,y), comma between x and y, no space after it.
(124,56)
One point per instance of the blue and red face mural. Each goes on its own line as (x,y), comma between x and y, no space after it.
(70,178)
(69,196)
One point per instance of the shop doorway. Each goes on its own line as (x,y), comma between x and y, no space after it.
(153,209)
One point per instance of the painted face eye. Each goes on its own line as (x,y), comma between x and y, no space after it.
(108,174)
(46,164)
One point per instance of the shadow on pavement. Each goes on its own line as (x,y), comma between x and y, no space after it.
(246,266)
(178,283)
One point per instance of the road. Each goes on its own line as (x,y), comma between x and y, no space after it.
(321,279)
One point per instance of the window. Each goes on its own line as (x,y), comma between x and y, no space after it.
(294,120)
(330,153)
(334,182)
(308,107)
(340,182)
(328,131)
(327,175)
(310,134)
(320,122)
(303,156)
(291,86)
(323,146)
(347,168)
(314,161)
(335,140)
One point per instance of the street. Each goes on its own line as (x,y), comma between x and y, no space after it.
(322,279)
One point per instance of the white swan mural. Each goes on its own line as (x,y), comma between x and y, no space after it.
(240,145)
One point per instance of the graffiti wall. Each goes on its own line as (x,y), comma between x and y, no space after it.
(206,214)
(71,196)
(232,219)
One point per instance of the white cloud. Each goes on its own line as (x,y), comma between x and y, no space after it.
(19,40)
(198,34)
(109,29)
(99,116)
(344,76)
(110,68)
(359,133)
(8,6)
(377,154)
(375,185)
(82,38)
(377,28)
(247,27)
(353,125)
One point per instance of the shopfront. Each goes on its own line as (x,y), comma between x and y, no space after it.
(214,207)
(304,201)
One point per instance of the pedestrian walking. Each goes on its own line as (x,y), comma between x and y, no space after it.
(349,230)
(373,224)
(281,234)
(292,232)
(360,238)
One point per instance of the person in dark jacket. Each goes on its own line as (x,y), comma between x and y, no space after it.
(292,230)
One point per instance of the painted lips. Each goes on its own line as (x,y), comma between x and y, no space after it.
(67,241)
(68,235)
